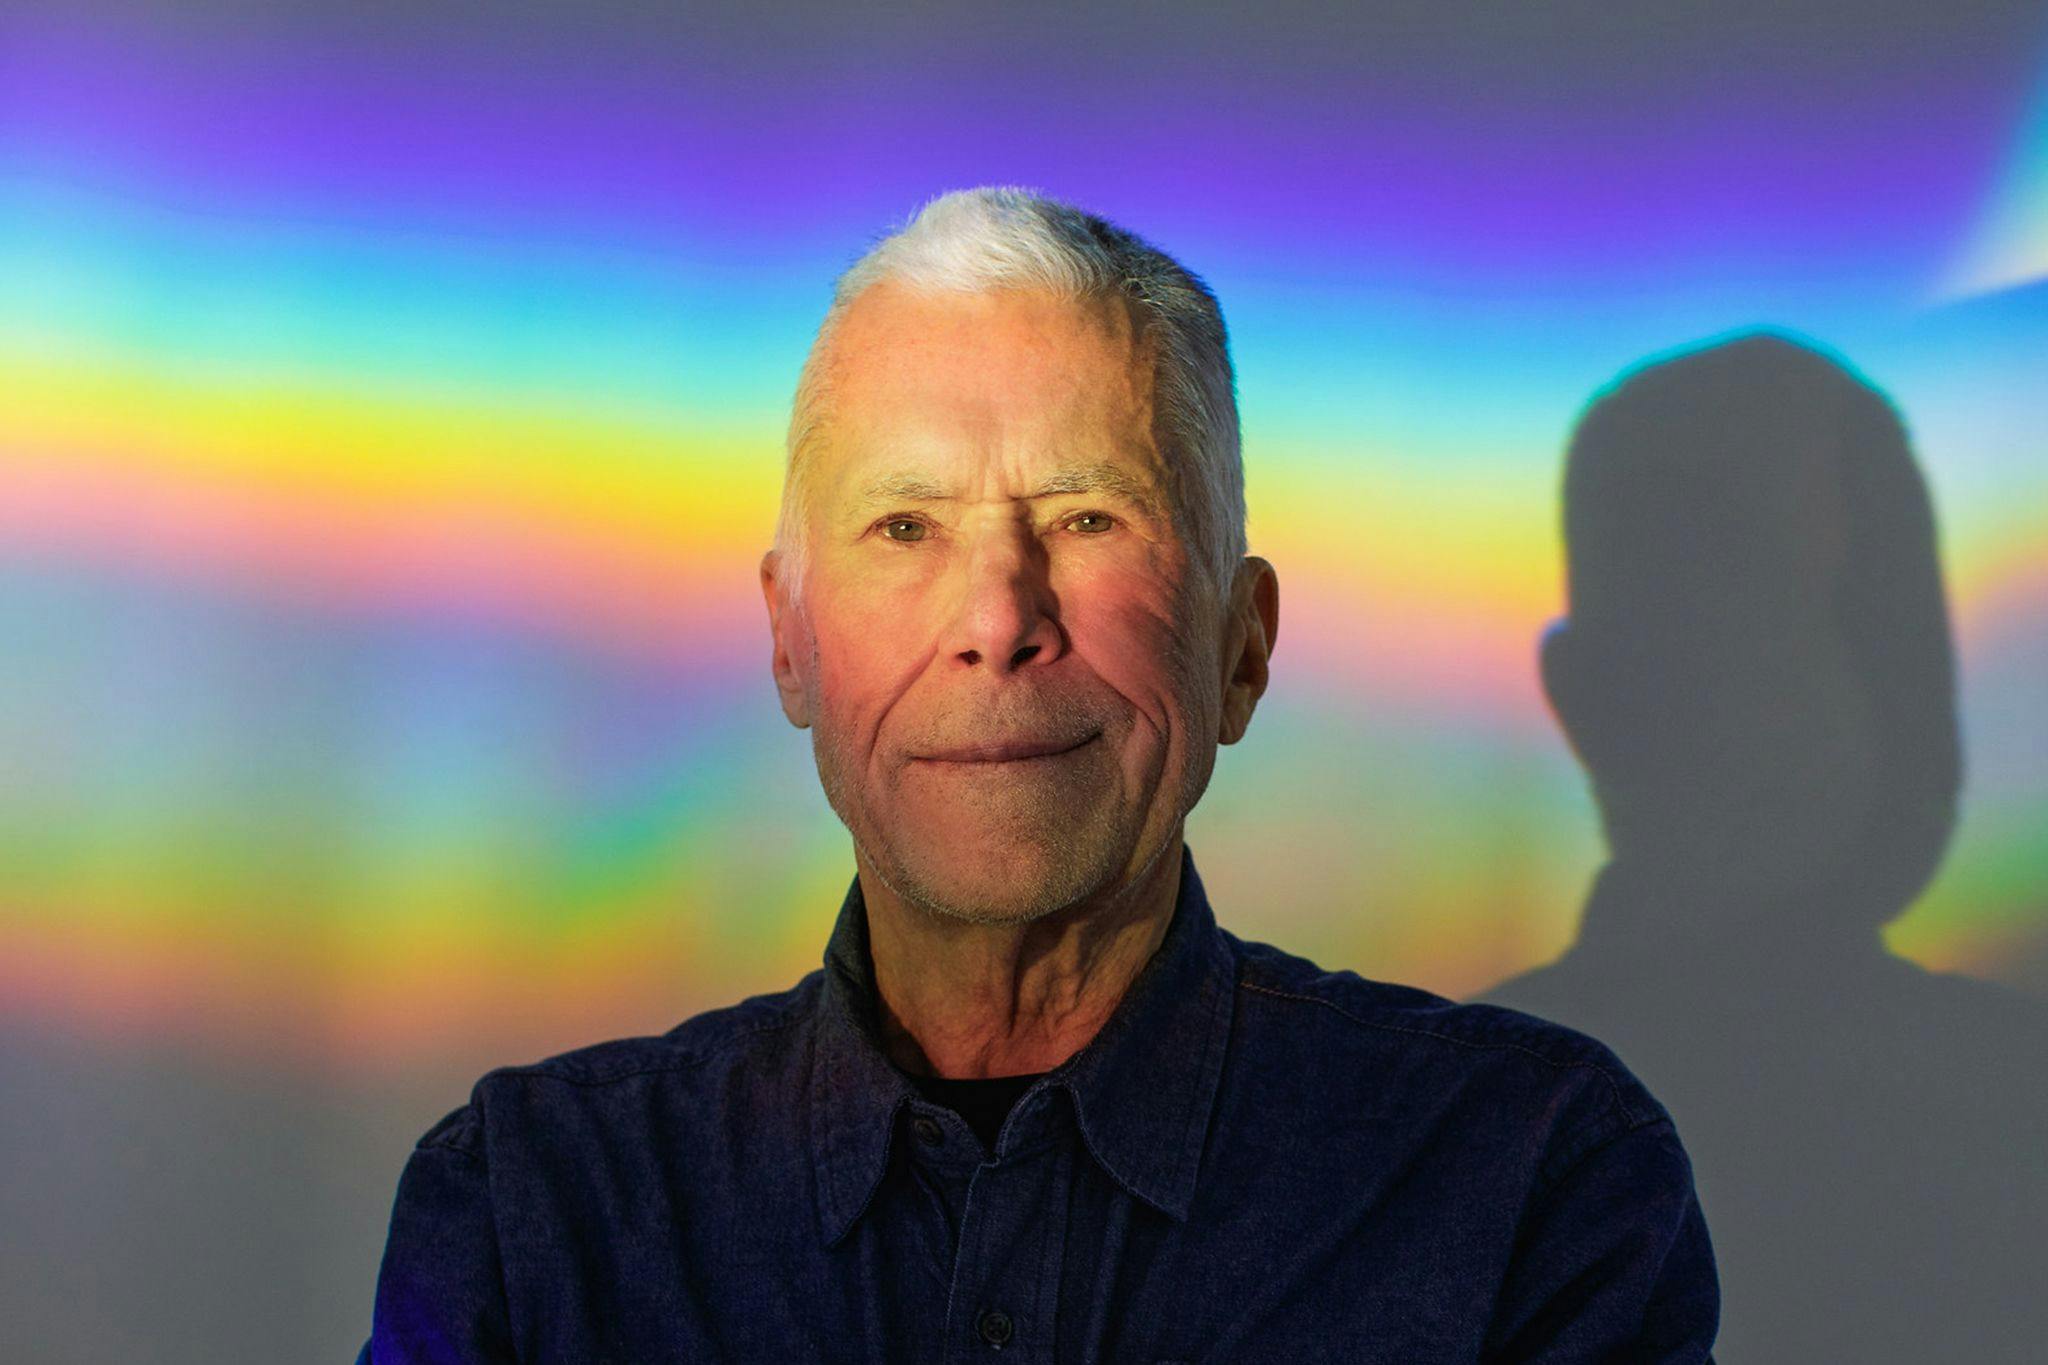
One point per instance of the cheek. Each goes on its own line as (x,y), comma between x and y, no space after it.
(1136,646)
(864,659)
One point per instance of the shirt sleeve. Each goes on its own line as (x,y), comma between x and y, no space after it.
(1612,1263)
(441,1291)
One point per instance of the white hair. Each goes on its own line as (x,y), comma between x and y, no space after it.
(971,241)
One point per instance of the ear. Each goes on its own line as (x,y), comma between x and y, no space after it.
(783,630)
(1252,626)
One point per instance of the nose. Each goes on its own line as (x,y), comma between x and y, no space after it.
(1007,615)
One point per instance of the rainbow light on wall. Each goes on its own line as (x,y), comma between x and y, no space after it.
(2009,246)
(390,426)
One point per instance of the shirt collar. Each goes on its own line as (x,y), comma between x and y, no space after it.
(1143,1088)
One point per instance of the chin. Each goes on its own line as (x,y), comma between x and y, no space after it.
(991,881)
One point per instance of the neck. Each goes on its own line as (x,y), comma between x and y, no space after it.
(1642,912)
(965,1000)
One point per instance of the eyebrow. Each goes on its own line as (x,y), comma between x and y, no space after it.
(1095,477)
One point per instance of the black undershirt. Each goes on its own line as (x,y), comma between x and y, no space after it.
(983,1101)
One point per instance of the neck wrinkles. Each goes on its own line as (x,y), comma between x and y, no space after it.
(965,1000)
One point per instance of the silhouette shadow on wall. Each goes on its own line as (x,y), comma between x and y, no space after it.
(1757,674)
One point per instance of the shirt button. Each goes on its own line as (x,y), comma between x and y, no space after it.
(995,1327)
(928,1131)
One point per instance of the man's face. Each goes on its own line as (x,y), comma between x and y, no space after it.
(1011,671)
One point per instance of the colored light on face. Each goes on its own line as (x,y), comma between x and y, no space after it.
(958,602)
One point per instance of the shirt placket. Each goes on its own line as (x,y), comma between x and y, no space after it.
(1003,1301)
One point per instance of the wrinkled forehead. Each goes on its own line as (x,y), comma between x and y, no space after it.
(1006,379)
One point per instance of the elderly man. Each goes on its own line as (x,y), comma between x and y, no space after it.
(1038,1105)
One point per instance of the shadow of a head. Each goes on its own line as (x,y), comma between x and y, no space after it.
(1757,673)
(1756,669)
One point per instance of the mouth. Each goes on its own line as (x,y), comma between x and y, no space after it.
(1008,751)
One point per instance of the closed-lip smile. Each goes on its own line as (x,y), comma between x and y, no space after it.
(1006,751)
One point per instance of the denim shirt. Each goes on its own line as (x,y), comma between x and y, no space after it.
(1254,1160)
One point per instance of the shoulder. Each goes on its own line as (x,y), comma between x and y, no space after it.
(1516,1068)
(705,1053)
(703,1041)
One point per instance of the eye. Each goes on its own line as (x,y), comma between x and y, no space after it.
(1102,522)
(905,529)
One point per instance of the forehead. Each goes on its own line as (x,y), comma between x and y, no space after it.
(1006,385)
